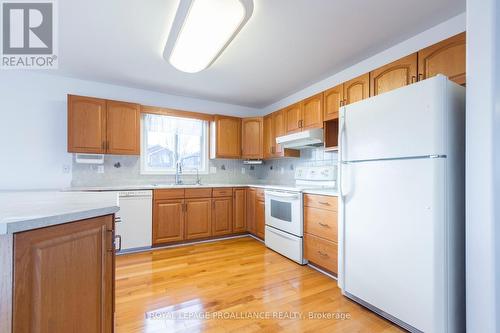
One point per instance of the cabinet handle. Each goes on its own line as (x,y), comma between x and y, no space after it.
(324,203)
(420,76)
(103,145)
(413,79)
(119,238)
(324,225)
(322,254)
(111,238)
(298,123)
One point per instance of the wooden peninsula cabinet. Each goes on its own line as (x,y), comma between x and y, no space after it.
(63,278)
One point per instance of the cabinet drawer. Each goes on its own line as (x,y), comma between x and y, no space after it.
(223,192)
(169,194)
(321,252)
(320,201)
(198,193)
(321,223)
(259,194)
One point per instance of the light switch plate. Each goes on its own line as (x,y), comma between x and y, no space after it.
(213,169)
(282,170)
(243,171)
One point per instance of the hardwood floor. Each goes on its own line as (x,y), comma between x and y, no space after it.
(237,277)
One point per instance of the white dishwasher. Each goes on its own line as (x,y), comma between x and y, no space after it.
(134,220)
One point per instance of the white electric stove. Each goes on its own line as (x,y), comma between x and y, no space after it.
(284,210)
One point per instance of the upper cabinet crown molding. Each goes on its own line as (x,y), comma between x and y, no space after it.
(446,57)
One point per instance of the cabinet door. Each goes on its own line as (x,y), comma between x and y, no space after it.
(252,138)
(64,278)
(227,137)
(293,116)
(239,210)
(333,98)
(168,221)
(123,128)
(313,112)
(357,89)
(395,75)
(269,145)
(198,218)
(222,216)
(86,125)
(446,57)
(250,206)
(260,217)
(279,122)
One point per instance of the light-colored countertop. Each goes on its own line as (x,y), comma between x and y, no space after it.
(22,211)
(326,191)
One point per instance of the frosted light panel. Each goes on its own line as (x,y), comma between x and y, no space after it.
(208,26)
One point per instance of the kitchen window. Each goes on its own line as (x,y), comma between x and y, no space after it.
(167,140)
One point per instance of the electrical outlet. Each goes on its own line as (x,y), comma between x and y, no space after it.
(282,170)
(243,171)
(100,169)
(213,169)
(66,168)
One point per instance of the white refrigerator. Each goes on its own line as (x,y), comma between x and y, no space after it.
(402,224)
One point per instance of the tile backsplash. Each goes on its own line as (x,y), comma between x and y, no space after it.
(125,170)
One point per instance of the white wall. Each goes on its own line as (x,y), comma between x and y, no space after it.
(431,36)
(33,123)
(483,166)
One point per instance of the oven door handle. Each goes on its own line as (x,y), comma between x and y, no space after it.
(283,195)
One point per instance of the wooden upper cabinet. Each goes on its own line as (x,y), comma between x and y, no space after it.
(226,137)
(279,123)
(198,218)
(239,210)
(64,278)
(269,143)
(168,221)
(446,57)
(293,118)
(333,99)
(395,75)
(86,125)
(123,128)
(222,216)
(312,115)
(357,89)
(252,138)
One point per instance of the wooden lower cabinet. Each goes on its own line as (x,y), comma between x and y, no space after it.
(250,214)
(321,231)
(222,216)
(64,278)
(168,220)
(321,252)
(260,217)
(239,210)
(198,219)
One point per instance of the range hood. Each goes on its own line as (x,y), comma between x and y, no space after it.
(305,139)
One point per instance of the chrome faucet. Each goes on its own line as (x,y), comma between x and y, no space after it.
(198,180)
(178,173)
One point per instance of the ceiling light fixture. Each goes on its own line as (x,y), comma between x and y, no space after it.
(202,29)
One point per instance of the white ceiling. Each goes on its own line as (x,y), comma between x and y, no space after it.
(285,46)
